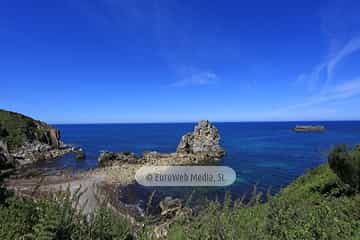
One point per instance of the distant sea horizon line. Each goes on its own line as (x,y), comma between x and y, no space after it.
(194,122)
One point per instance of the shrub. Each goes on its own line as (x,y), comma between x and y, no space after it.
(103,224)
(345,163)
(17,216)
(58,217)
(3,132)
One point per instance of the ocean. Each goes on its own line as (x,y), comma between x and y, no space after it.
(268,155)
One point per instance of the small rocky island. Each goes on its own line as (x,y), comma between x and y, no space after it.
(309,128)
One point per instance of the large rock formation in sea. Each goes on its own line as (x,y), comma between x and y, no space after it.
(204,141)
(25,140)
(200,146)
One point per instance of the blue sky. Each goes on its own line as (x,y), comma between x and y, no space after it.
(77,61)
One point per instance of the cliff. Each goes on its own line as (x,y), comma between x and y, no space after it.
(17,129)
(26,140)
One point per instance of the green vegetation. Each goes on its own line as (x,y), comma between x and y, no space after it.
(57,217)
(16,128)
(345,163)
(315,206)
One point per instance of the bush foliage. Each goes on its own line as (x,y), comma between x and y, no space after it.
(56,218)
(345,163)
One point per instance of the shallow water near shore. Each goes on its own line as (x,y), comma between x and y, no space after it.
(146,200)
(269,155)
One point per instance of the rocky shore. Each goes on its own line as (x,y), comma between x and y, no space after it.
(32,152)
(199,147)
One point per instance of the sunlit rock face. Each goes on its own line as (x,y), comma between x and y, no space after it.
(204,142)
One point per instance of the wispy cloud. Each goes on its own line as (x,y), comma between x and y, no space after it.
(312,80)
(179,48)
(317,105)
(192,77)
(337,92)
(351,47)
(341,25)
(321,77)
(323,83)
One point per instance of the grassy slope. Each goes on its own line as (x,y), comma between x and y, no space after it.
(315,206)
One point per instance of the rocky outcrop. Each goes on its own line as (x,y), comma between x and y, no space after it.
(204,142)
(115,159)
(54,138)
(32,152)
(6,161)
(200,146)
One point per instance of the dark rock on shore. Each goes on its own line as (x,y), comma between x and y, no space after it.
(79,153)
(112,159)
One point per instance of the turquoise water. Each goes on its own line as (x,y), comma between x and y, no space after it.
(268,155)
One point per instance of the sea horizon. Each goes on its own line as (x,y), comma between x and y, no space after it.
(194,122)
